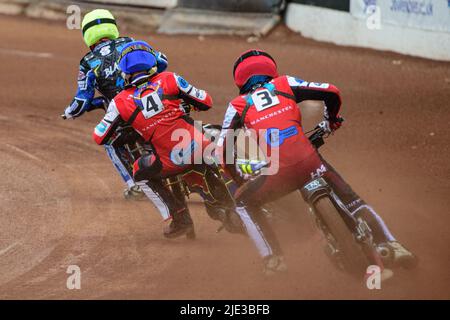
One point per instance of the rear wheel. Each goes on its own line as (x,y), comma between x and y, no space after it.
(349,253)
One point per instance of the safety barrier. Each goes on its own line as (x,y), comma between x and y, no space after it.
(413,27)
(241,17)
(143,3)
(254,6)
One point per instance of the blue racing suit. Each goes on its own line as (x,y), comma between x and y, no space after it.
(99,70)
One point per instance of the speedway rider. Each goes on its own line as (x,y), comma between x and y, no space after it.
(99,70)
(269,101)
(154,105)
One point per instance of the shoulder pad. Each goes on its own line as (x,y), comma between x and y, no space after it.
(239,101)
(88,56)
(90,61)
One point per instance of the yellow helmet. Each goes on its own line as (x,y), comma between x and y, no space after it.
(98,24)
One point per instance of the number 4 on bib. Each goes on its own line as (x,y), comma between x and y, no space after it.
(263,100)
(152,105)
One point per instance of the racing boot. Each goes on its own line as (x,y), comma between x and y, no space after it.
(180,225)
(394,254)
(133,193)
(230,220)
(274,264)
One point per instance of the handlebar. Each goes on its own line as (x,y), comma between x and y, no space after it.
(318,135)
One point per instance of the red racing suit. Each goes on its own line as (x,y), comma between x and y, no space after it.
(271,109)
(272,112)
(156,110)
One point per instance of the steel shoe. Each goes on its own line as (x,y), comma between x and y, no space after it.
(274,264)
(133,193)
(180,225)
(394,254)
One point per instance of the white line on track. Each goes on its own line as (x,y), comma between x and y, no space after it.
(21,151)
(28,54)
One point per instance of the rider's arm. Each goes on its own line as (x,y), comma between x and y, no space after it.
(85,92)
(325,92)
(108,125)
(199,99)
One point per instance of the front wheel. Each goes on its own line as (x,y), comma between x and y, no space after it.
(348,252)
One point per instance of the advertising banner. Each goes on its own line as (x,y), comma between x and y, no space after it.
(433,15)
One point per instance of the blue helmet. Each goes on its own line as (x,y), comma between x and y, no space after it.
(138,56)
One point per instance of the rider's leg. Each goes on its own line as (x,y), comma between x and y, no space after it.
(132,191)
(356,205)
(263,237)
(120,167)
(267,188)
(383,237)
(147,173)
(249,199)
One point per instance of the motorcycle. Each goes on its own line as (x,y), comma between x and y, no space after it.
(349,240)
(209,181)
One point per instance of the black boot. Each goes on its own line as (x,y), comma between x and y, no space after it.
(180,225)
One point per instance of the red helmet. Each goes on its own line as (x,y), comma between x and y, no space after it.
(253,63)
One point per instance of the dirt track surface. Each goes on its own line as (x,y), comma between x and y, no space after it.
(61,201)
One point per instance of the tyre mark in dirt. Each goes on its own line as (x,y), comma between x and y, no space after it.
(77,239)
(40,269)
(23,152)
(11,246)
(27,54)
(122,249)
(30,239)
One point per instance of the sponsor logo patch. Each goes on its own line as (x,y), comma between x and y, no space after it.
(182,83)
(100,129)
(200,94)
(313,185)
(276,137)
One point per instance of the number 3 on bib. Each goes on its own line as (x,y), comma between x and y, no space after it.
(152,105)
(263,100)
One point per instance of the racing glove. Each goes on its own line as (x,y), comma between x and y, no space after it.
(96,103)
(329,126)
(249,168)
(83,98)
